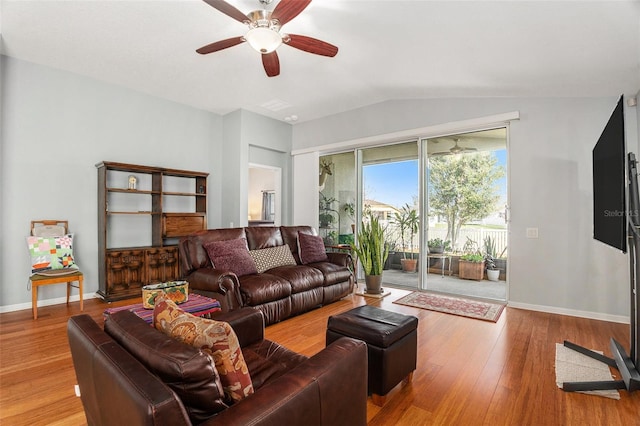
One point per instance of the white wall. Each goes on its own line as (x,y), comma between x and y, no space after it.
(551,185)
(243,130)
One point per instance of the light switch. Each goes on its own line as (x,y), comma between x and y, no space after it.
(532,232)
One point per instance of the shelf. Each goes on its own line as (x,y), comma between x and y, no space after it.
(187,194)
(133,191)
(117,213)
(137,237)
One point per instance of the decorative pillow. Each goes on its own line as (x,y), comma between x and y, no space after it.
(272,257)
(51,254)
(231,255)
(311,249)
(214,337)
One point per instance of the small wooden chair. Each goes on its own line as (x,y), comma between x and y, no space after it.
(53,228)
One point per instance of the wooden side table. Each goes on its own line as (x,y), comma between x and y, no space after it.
(40,280)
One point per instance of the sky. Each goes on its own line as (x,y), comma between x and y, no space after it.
(396,183)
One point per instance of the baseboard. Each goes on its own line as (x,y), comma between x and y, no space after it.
(46,302)
(571,312)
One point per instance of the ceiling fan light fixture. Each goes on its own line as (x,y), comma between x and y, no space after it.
(264,40)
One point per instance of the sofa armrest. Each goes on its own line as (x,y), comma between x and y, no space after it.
(341,258)
(247,323)
(217,284)
(330,388)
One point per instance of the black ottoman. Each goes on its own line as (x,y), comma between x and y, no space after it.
(391,340)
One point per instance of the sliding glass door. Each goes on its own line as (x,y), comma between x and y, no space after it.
(465,182)
(390,190)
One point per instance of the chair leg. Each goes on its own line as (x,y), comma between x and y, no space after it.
(34,300)
(68,290)
(80,290)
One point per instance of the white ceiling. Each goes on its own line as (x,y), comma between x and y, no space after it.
(388,50)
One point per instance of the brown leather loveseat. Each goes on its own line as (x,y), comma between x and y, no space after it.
(279,292)
(132,374)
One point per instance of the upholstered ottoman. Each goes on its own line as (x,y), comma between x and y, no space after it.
(391,340)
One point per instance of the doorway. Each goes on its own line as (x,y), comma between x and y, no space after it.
(390,191)
(264,195)
(466,223)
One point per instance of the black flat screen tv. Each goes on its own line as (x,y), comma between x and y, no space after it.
(609,185)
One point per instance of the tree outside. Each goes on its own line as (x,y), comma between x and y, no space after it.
(463,188)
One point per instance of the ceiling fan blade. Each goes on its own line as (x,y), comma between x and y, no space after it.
(271,63)
(286,10)
(311,45)
(219,45)
(227,9)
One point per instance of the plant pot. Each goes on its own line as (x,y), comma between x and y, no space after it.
(373,283)
(493,274)
(409,265)
(471,270)
(436,250)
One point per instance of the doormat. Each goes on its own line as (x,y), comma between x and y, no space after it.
(572,366)
(471,308)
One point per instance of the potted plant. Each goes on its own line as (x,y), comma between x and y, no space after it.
(407,221)
(493,272)
(471,264)
(350,210)
(438,246)
(371,250)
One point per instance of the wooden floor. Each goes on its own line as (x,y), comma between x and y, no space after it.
(470,372)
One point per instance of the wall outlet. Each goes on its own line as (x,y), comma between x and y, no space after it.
(532,232)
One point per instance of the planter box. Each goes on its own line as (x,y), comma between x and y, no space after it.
(471,270)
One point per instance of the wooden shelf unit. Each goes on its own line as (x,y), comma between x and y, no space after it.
(176,203)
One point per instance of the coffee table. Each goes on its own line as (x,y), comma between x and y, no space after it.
(197,305)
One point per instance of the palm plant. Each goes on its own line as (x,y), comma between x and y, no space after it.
(407,221)
(370,246)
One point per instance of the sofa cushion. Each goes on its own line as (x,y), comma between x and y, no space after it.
(261,237)
(301,277)
(188,371)
(231,255)
(333,273)
(268,360)
(214,337)
(311,249)
(272,257)
(263,288)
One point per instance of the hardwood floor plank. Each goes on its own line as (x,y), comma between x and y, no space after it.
(469,372)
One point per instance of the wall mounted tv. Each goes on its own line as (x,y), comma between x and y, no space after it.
(609,185)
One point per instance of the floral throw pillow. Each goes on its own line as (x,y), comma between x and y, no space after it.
(51,254)
(214,337)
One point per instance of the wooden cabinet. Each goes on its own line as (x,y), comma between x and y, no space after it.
(142,212)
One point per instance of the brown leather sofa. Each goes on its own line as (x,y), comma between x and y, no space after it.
(119,373)
(279,293)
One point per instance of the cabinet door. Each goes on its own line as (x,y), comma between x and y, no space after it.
(125,271)
(162,264)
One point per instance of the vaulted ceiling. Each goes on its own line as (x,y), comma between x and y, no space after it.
(387,50)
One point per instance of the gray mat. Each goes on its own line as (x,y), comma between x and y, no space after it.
(572,366)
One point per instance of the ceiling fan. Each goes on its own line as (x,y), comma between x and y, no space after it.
(455,149)
(264,32)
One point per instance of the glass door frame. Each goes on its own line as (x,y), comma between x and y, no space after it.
(424,199)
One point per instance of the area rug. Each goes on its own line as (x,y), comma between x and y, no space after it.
(471,308)
(572,366)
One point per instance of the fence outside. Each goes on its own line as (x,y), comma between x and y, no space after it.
(478,235)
